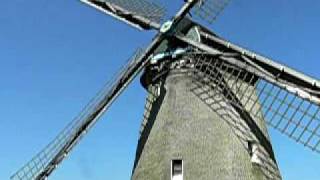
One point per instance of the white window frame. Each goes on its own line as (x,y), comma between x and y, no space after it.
(179,176)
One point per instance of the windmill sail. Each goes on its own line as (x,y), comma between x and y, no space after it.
(209,10)
(142,14)
(51,156)
(289,100)
(217,84)
(251,86)
(45,162)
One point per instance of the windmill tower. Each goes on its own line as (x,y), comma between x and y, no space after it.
(208,103)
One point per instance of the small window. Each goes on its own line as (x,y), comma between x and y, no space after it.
(254,152)
(177,169)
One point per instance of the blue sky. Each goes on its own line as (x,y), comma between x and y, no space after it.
(55,55)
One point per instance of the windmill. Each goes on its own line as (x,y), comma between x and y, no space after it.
(208,104)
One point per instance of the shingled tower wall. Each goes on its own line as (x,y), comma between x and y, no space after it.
(179,124)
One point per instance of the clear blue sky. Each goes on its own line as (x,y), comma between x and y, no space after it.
(55,55)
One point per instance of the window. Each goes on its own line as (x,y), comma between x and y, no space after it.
(254,152)
(177,169)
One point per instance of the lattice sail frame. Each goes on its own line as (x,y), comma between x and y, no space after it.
(142,14)
(215,84)
(149,9)
(42,160)
(253,94)
(284,106)
(209,10)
